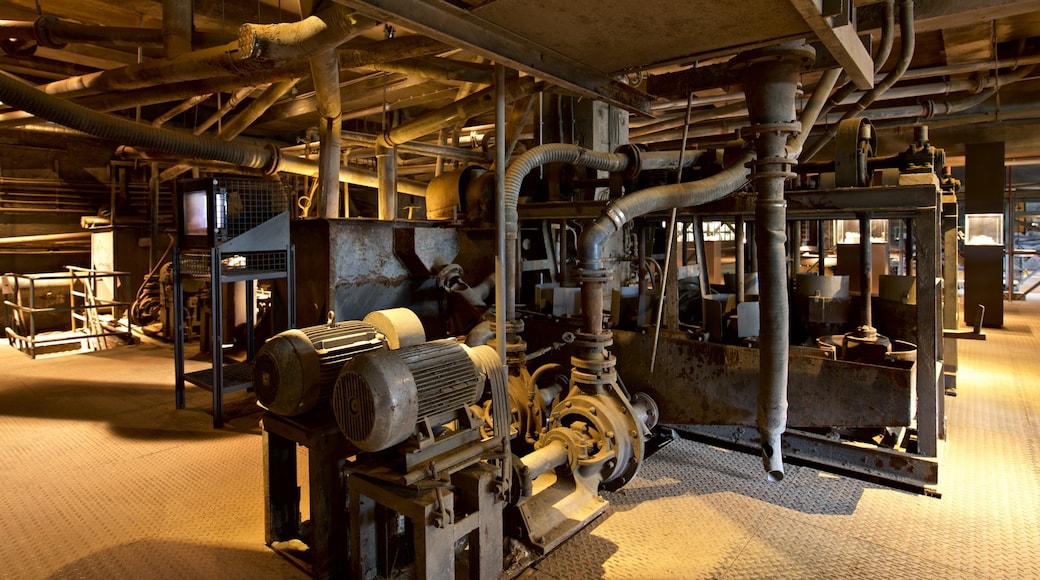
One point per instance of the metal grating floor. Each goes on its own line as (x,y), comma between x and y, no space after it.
(103,478)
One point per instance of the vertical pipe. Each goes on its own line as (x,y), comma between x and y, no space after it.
(908,248)
(386,167)
(325,74)
(698,248)
(177,24)
(153,214)
(641,257)
(794,249)
(502,290)
(739,268)
(866,269)
(821,248)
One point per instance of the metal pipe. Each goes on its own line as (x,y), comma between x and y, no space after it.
(386,166)
(15,240)
(240,122)
(177,26)
(259,46)
(183,106)
(53,32)
(357,138)
(698,248)
(866,271)
(907,45)
(812,111)
(690,117)
(652,199)
(670,240)
(503,293)
(739,267)
(325,75)
(264,157)
(770,77)
(455,113)
(437,69)
(223,110)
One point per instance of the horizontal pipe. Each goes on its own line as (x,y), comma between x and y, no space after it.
(478,103)
(53,32)
(15,240)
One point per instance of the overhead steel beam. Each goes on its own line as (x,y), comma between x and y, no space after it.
(838,33)
(457,27)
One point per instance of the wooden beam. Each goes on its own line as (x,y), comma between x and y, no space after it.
(842,41)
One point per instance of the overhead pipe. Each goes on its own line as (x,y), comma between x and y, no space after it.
(259,47)
(240,122)
(437,69)
(923,111)
(232,101)
(17,240)
(180,108)
(177,26)
(53,32)
(265,157)
(907,44)
(478,103)
(419,148)
(384,51)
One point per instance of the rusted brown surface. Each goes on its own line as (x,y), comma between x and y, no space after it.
(714,384)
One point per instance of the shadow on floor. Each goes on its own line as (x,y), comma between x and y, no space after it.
(162,558)
(679,470)
(143,411)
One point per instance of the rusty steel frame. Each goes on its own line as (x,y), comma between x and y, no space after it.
(922,204)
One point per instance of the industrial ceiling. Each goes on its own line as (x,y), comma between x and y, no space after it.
(646,57)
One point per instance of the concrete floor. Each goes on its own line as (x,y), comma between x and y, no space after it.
(102,478)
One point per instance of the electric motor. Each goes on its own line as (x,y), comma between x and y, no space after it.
(297,369)
(380,396)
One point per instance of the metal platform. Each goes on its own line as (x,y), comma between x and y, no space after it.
(103,478)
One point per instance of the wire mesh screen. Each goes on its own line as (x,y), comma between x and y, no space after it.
(244,203)
(256,263)
(194,264)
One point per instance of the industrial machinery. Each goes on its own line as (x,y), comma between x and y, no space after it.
(467,452)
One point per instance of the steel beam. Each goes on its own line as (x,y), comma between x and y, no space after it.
(841,40)
(888,467)
(453,25)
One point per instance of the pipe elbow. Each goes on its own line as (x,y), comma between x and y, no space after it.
(590,250)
